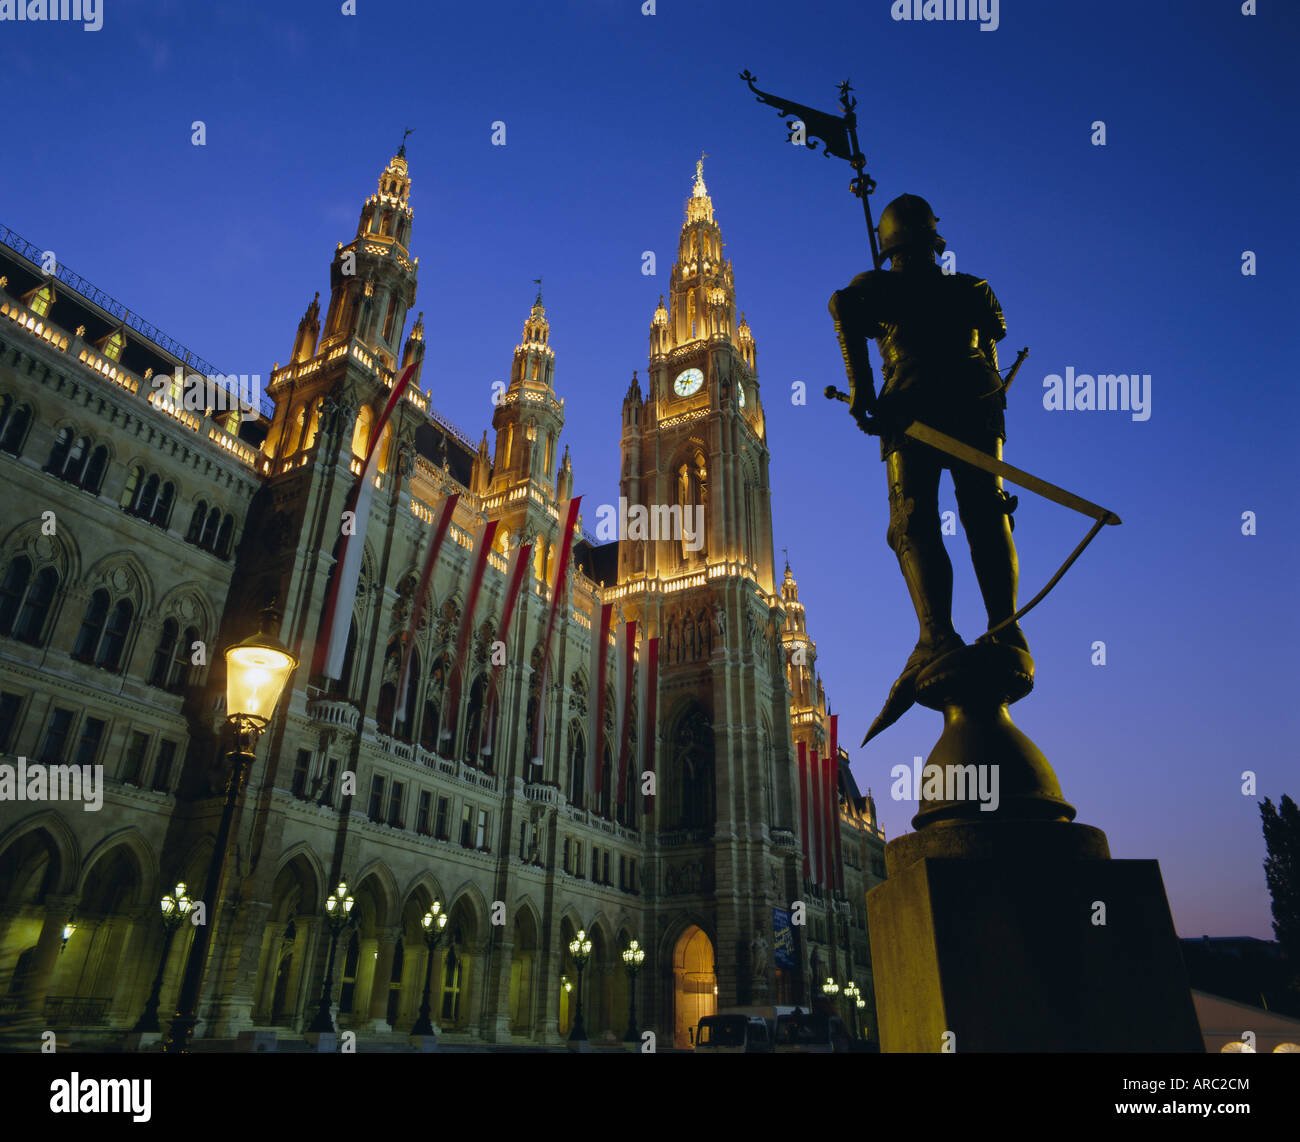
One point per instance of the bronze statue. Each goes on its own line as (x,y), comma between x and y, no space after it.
(937,334)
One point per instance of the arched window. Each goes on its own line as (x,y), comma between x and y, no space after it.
(13,588)
(407,729)
(222,545)
(182,661)
(210,526)
(361,433)
(447,716)
(429,726)
(607,779)
(692,800)
(162,509)
(94,475)
(113,643)
(75,464)
(577,765)
(162,655)
(196,522)
(148,495)
(474,722)
(387,702)
(349,654)
(30,627)
(127,502)
(59,453)
(13,427)
(92,627)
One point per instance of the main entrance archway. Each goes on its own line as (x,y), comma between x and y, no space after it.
(695,984)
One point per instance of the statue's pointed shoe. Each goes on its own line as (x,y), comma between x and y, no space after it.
(902,695)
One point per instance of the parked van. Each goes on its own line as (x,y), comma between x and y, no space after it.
(810,1032)
(733,1035)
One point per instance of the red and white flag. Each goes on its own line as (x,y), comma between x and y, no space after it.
(835,800)
(624,659)
(804,824)
(596,706)
(332,639)
(459,664)
(568,520)
(647,715)
(828,823)
(440,529)
(516,569)
(818,818)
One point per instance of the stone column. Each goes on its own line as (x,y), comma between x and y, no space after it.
(379,984)
(496,1008)
(57,911)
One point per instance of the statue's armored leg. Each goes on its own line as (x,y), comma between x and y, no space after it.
(982,506)
(915,536)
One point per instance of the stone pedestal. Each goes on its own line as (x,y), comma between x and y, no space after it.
(1002,925)
(989,936)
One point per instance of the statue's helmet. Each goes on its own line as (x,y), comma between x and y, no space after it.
(908,223)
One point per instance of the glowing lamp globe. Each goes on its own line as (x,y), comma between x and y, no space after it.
(256,671)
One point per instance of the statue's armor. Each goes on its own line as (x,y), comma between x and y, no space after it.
(936,334)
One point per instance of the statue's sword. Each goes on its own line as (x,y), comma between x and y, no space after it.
(959,450)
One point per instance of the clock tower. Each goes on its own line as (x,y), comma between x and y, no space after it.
(698,440)
(700,576)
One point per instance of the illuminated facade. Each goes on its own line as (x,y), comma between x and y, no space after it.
(153,529)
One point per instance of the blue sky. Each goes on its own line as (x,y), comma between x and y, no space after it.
(1124,258)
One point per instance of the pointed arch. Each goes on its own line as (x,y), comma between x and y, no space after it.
(51,830)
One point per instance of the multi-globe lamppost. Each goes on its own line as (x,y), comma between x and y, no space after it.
(854,997)
(580,950)
(433,922)
(256,672)
(176,907)
(338,913)
(633,957)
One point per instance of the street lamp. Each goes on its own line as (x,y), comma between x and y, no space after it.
(580,950)
(633,957)
(256,672)
(433,922)
(176,906)
(854,996)
(338,913)
(830,989)
(68,929)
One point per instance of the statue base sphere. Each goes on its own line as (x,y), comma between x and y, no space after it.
(987,769)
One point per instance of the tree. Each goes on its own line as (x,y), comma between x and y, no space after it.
(1282,839)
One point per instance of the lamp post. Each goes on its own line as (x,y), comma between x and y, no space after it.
(176,906)
(580,950)
(433,922)
(256,672)
(830,989)
(633,957)
(68,929)
(853,995)
(338,913)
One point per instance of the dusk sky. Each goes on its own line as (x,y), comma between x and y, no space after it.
(1122,258)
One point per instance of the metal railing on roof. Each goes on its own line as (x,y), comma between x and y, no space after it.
(109,304)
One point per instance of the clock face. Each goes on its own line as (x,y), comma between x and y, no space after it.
(688,382)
